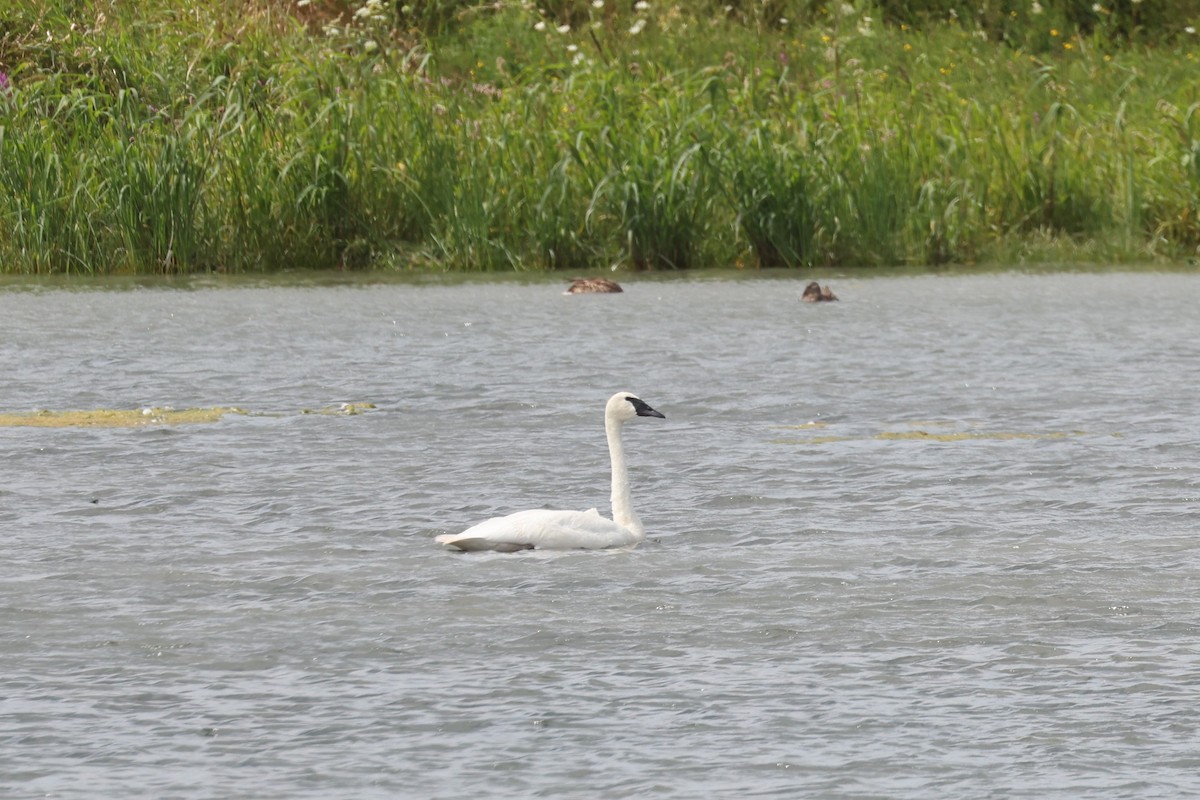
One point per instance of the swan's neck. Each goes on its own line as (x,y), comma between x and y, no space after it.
(622,507)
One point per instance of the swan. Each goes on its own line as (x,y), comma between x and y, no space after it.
(593,286)
(544,529)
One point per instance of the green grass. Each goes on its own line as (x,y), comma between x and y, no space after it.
(218,137)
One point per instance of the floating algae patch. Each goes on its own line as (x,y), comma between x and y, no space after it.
(116,417)
(341,409)
(926,436)
(959,436)
(146,417)
(815,440)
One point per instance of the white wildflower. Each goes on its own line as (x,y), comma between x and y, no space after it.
(539,25)
(564,28)
(372,9)
(571,48)
(636,27)
(641,5)
(370,46)
(1036,8)
(597,3)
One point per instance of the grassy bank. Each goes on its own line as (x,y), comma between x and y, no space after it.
(260,136)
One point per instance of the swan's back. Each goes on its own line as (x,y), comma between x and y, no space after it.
(543,529)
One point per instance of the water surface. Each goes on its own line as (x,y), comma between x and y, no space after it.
(938,539)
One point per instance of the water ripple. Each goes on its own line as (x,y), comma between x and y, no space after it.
(1003,607)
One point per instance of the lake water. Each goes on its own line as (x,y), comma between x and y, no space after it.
(976,573)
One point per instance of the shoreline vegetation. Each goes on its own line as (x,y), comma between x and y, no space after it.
(246,137)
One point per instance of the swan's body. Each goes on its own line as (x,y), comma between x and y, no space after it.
(593,286)
(544,529)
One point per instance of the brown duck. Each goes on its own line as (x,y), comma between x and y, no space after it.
(815,293)
(593,286)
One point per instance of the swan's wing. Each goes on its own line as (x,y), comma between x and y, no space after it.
(543,530)
(470,545)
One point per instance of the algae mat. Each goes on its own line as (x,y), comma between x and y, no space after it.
(919,435)
(146,417)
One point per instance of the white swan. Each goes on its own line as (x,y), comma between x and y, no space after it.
(568,530)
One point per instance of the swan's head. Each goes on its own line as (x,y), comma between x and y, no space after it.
(624,406)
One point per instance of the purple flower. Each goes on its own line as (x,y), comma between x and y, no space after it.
(4,84)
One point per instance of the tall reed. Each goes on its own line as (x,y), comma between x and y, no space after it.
(576,135)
